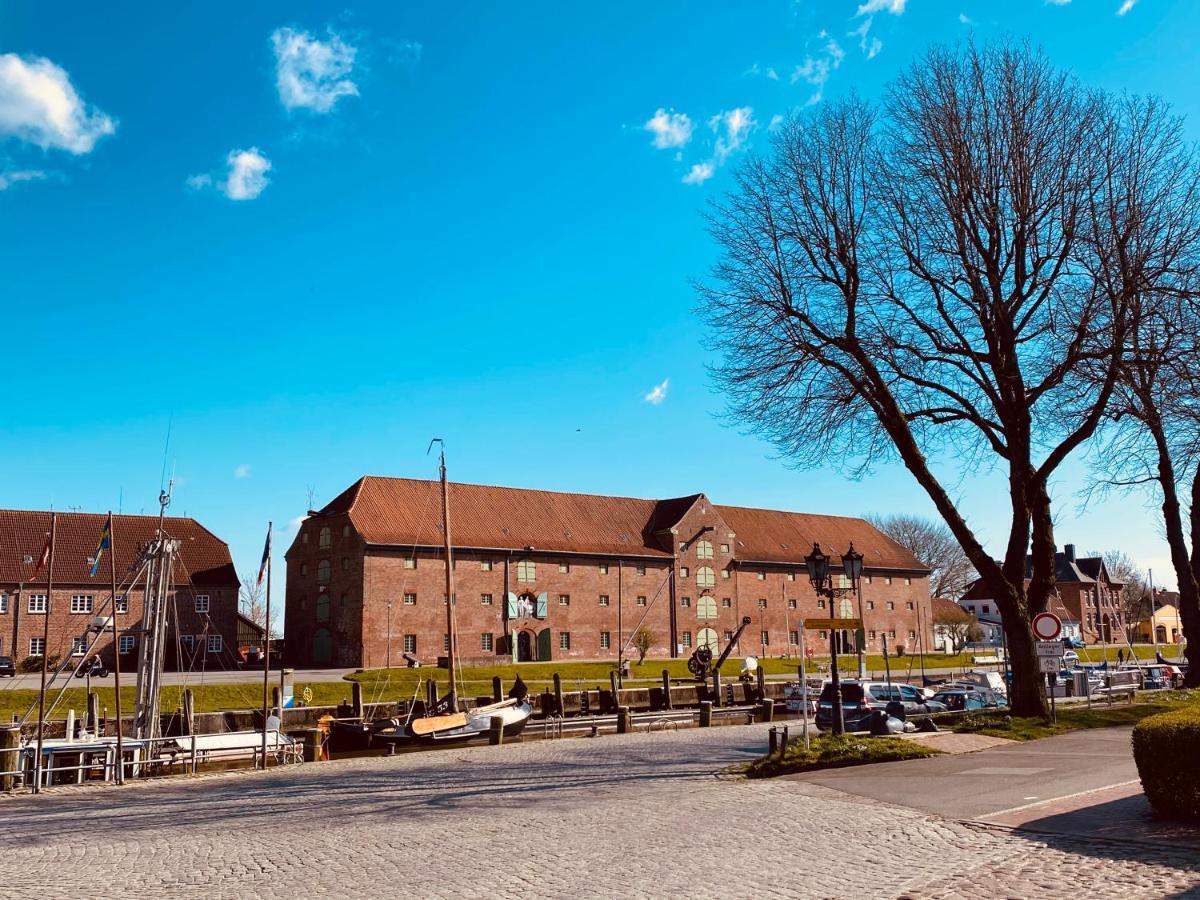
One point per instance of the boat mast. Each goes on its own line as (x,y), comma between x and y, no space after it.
(159,579)
(452,651)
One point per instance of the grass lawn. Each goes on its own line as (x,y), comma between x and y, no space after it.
(827,751)
(1075,717)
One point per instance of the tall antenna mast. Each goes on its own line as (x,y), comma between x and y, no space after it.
(160,554)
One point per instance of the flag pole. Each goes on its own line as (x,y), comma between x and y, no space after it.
(112,572)
(37,781)
(267,649)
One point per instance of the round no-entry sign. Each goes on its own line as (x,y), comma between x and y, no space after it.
(1046,626)
(808,651)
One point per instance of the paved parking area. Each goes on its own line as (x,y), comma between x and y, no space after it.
(630,816)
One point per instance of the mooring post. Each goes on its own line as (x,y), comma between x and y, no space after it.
(622,720)
(612,686)
(705,713)
(558,701)
(772,741)
(717,687)
(762,683)
(10,741)
(356,698)
(784,742)
(496,731)
(666,689)
(497,689)
(768,711)
(276,704)
(312,745)
(93,713)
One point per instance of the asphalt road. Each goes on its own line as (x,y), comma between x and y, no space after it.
(980,785)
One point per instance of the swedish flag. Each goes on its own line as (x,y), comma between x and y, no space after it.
(105,544)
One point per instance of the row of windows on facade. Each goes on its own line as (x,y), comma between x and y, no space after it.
(706,606)
(127,643)
(82,604)
(487,642)
(324,536)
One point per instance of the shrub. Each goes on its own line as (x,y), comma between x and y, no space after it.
(1165,748)
(33,664)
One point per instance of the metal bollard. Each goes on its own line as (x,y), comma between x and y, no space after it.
(623,720)
(666,681)
(497,689)
(706,709)
(496,731)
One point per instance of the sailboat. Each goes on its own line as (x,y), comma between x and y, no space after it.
(455,725)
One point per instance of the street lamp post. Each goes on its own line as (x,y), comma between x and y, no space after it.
(821,578)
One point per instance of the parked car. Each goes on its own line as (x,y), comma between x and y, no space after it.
(1074,643)
(861,699)
(1070,659)
(7,668)
(991,699)
(962,699)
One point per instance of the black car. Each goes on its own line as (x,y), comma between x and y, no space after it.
(7,668)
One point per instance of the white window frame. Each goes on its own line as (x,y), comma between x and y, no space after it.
(605,640)
(121,604)
(202,604)
(604,600)
(410,599)
(79,646)
(81,604)
(3,602)
(410,562)
(216,643)
(40,644)
(564,640)
(486,642)
(410,643)
(37,605)
(485,599)
(128,644)
(187,640)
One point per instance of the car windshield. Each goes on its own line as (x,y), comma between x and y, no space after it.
(851,693)
(952,701)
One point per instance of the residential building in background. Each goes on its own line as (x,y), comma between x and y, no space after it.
(202,631)
(541,576)
(1087,599)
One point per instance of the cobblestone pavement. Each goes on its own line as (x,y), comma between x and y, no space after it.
(630,816)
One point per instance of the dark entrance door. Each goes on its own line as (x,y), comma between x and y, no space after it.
(524,647)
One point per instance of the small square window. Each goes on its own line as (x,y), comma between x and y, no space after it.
(604,599)
(641,601)
(683,571)
(762,576)
(892,634)
(410,562)
(724,573)
(188,641)
(216,643)
(791,576)
(603,568)
(868,579)
(485,642)
(823,635)
(870,604)
(891,605)
(122,604)
(81,603)
(887,579)
(793,637)
(726,603)
(641,570)
(912,635)
(526,571)
(485,599)
(485,565)
(564,640)
(792,604)
(762,602)
(410,599)
(564,567)
(871,635)
(908,581)
(821,603)
(685,601)
(564,599)
(908,605)
(78,646)
(37,646)
(36,604)
(724,548)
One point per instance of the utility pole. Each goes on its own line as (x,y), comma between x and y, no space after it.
(37,780)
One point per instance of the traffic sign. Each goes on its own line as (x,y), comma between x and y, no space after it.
(1048,649)
(1049,664)
(1046,626)
(833,624)
(808,652)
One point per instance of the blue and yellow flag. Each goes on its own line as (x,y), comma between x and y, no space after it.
(105,544)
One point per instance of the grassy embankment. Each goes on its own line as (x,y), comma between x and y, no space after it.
(827,751)
(1076,717)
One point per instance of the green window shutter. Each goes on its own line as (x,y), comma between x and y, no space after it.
(512,605)
(543,642)
(541,608)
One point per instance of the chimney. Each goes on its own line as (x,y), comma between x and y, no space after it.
(1069,552)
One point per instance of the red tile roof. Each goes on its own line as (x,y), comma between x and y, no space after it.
(204,558)
(407,512)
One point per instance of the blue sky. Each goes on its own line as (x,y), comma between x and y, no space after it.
(311,239)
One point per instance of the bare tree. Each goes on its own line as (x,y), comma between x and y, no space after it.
(643,641)
(1136,594)
(933,544)
(252,601)
(933,280)
(958,625)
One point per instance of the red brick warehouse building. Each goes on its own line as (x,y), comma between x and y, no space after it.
(203,619)
(542,575)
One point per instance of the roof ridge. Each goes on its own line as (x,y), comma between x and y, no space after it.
(505,487)
(794,512)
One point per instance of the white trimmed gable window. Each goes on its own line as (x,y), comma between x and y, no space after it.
(526,571)
(202,605)
(81,603)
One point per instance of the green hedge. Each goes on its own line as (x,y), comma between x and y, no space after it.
(1166,748)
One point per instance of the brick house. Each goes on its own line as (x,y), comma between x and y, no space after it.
(542,575)
(1087,599)
(204,625)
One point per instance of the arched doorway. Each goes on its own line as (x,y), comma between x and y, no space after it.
(525,647)
(707,637)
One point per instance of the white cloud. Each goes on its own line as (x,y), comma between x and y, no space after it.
(776,121)
(39,104)
(294,524)
(670,129)
(247,176)
(1126,7)
(196,182)
(1057,2)
(765,71)
(870,48)
(658,394)
(964,19)
(9,178)
(815,70)
(895,7)
(242,471)
(699,173)
(312,74)
(731,126)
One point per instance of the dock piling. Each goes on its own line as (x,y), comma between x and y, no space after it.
(558,697)
(356,698)
(706,708)
(496,731)
(93,713)
(497,689)
(623,720)
(10,741)
(666,678)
